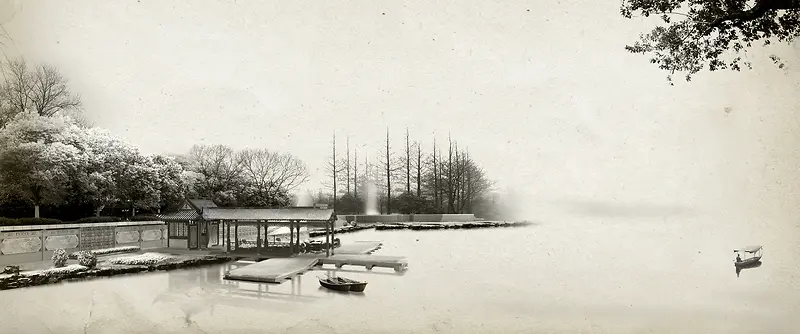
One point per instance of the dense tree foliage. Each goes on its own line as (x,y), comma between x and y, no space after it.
(51,160)
(698,34)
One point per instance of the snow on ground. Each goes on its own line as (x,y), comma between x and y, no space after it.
(73,268)
(144,259)
(105,251)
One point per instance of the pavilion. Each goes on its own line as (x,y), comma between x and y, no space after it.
(201,224)
(232,220)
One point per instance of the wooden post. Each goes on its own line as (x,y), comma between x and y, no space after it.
(258,237)
(266,235)
(228,235)
(333,235)
(291,237)
(298,237)
(327,239)
(236,235)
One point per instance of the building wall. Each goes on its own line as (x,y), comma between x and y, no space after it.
(32,243)
(179,243)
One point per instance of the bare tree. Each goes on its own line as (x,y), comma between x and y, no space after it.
(436,171)
(347,166)
(16,90)
(389,168)
(43,90)
(419,169)
(219,165)
(450,175)
(408,164)
(50,93)
(355,173)
(333,170)
(268,173)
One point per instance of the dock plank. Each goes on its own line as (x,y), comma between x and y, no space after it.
(359,247)
(368,261)
(272,270)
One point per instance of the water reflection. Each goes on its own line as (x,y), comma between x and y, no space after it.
(752,266)
(333,272)
(199,290)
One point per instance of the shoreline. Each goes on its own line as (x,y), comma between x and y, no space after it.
(76,272)
(458,225)
(422,226)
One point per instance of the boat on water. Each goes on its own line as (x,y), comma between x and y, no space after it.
(355,286)
(752,256)
(342,284)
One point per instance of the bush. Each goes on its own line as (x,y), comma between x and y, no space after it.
(106,251)
(146,259)
(38,221)
(144,218)
(101,219)
(8,221)
(59,258)
(55,272)
(87,259)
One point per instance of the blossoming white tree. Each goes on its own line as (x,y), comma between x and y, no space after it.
(46,159)
(37,156)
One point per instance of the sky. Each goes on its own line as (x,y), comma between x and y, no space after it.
(542,93)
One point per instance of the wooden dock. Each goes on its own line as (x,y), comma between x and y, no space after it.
(358,247)
(276,270)
(272,270)
(397,263)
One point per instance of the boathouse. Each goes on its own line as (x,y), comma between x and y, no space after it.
(201,224)
(238,225)
(186,228)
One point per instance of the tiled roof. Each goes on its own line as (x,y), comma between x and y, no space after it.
(202,203)
(180,215)
(304,214)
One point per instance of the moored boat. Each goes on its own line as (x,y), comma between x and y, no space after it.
(355,286)
(334,284)
(342,284)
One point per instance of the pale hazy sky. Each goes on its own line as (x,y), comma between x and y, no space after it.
(541,92)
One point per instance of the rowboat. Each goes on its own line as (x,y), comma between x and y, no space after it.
(752,256)
(334,284)
(342,284)
(355,286)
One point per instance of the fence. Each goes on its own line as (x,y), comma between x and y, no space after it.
(33,243)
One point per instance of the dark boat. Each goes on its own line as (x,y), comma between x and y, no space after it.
(355,286)
(342,284)
(334,284)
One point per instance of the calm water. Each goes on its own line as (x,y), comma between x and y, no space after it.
(566,277)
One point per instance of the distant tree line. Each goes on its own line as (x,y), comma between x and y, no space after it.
(442,180)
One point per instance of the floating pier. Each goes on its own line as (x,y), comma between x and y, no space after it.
(272,270)
(398,263)
(359,247)
(276,270)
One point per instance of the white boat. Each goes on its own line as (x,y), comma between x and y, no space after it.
(748,256)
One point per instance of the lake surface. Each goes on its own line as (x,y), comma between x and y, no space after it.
(567,276)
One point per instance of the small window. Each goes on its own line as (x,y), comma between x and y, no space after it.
(178,230)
